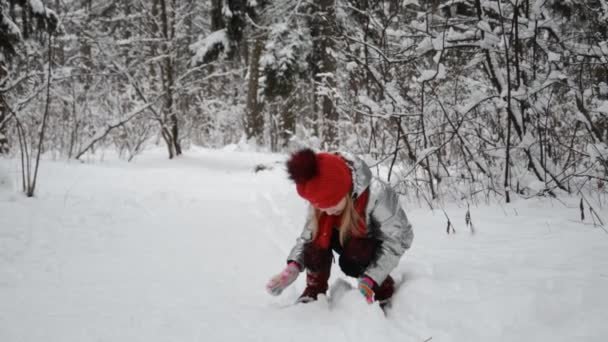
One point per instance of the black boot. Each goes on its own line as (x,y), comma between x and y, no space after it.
(384,292)
(318,267)
(316,283)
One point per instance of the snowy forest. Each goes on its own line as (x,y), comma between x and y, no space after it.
(455,98)
(162,174)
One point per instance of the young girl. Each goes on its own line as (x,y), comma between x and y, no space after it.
(351,213)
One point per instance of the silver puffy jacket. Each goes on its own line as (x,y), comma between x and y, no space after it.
(386,221)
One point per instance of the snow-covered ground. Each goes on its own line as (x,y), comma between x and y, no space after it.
(180,250)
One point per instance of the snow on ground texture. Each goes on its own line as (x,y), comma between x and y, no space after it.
(180,250)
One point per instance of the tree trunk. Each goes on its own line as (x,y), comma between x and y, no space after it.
(217,20)
(169,113)
(510,117)
(3,116)
(323,47)
(3,111)
(254,120)
(25,32)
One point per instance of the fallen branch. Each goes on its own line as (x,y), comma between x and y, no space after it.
(109,129)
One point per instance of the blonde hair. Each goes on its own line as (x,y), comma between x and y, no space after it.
(350,222)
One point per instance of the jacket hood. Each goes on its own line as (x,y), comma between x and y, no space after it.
(362,174)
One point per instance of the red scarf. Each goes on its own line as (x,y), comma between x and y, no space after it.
(328,222)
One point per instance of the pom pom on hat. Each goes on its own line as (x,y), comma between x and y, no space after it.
(321,178)
(302,166)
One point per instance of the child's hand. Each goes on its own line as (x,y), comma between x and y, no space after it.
(366,285)
(278,283)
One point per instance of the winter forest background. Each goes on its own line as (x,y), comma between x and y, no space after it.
(455,98)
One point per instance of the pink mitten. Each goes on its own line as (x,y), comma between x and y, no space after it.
(366,285)
(278,283)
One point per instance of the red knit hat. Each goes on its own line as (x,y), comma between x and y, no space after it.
(321,178)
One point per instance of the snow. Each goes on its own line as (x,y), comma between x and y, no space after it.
(475,100)
(283,51)
(603,108)
(405,3)
(537,8)
(226,12)
(202,47)
(484,26)
(604,4)
(371,104)
(598,151)
(517,114)
(439,42)
(267,59)
(553,57)
(123,42)
(474,61)
(527,141)
(580,117)
(603,88)
(180,250)
(351,66)
(432,74)
(490,41)
(424,46)
(12,28)
(556,75)
(37,6)
(604,45)
(490,6)
(396,33)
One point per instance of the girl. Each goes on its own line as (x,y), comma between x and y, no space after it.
(351,213)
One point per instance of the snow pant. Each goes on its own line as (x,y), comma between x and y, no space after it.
(355,256)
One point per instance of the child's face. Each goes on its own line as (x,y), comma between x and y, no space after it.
(336,209)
